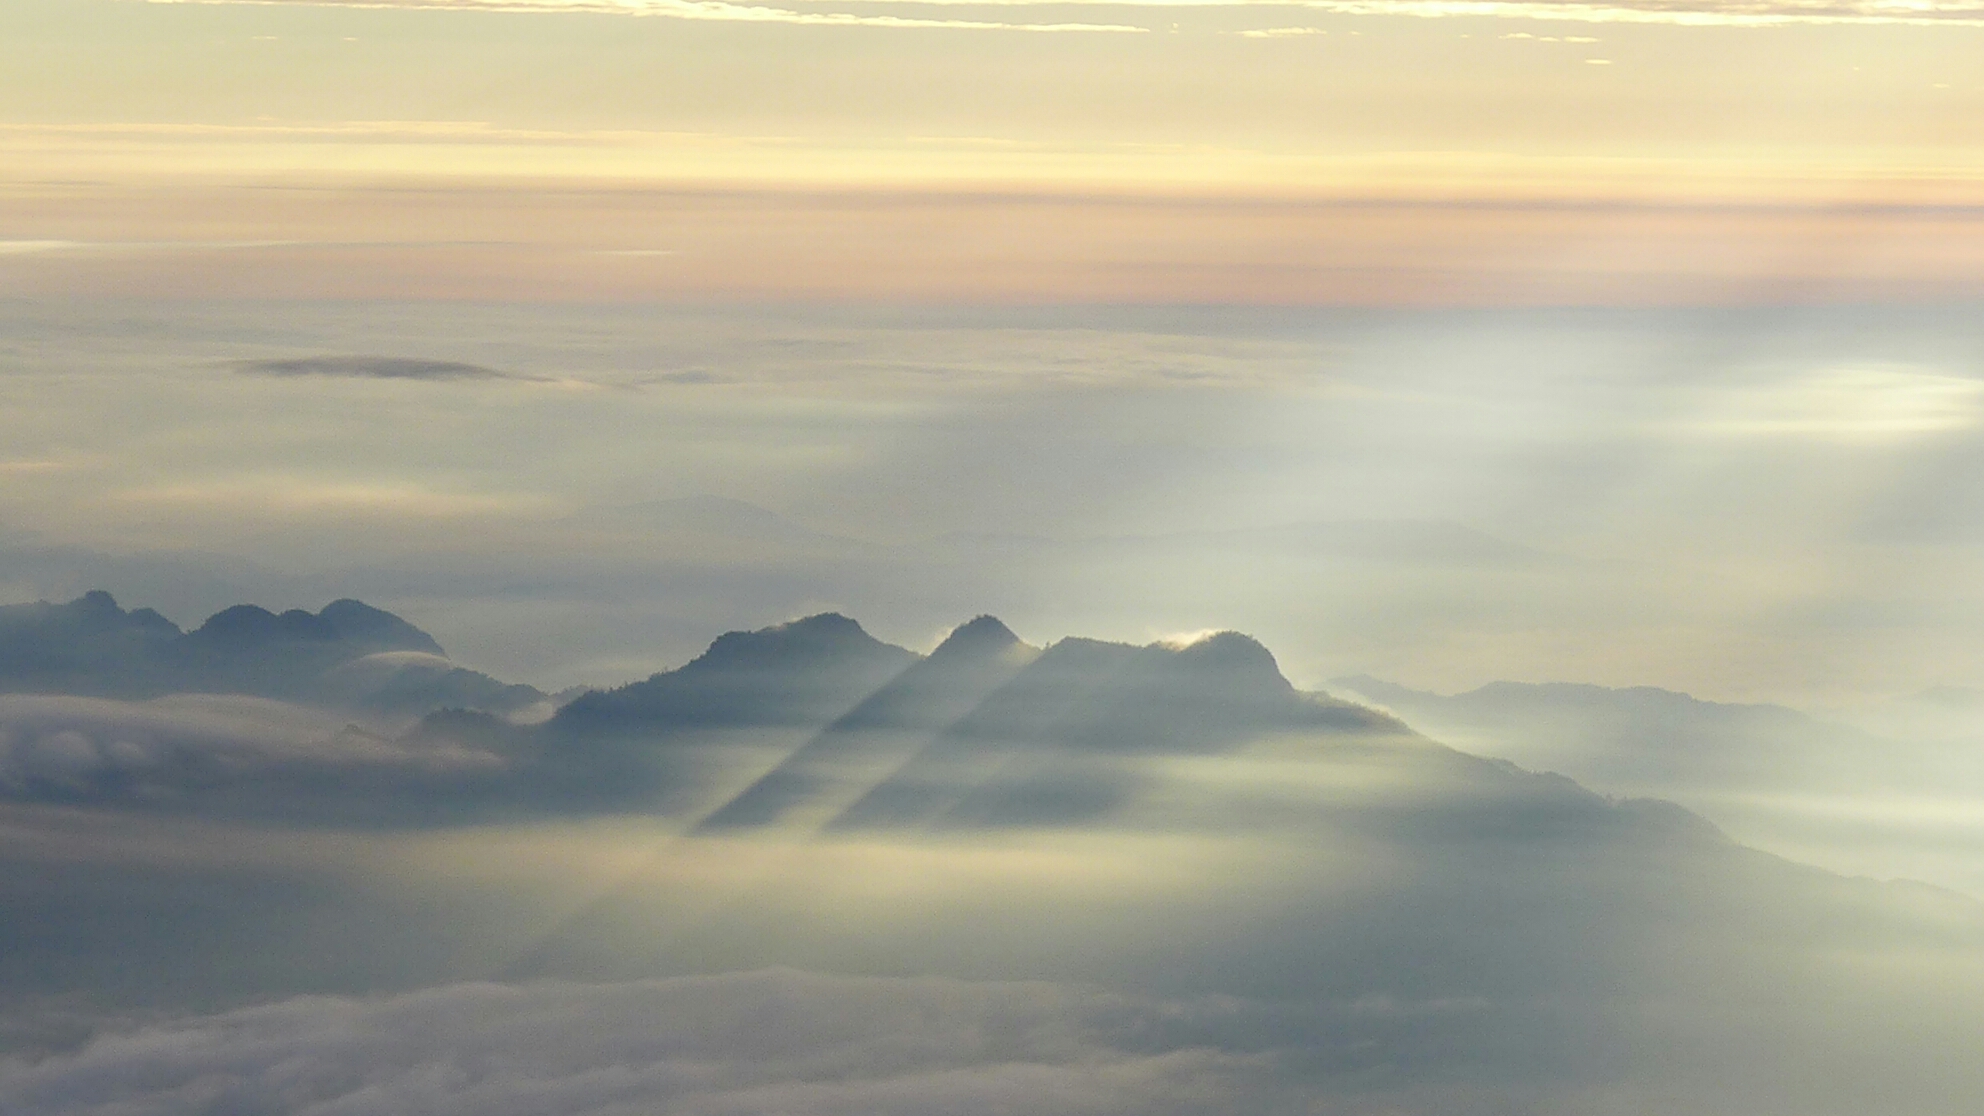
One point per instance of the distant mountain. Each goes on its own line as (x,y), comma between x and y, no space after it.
(1060,741)
(89,646)
(1896,798)
(809,671)
(986,730)
(868,743)
(1635,740)
(1325,899)
(348,655)
(812,723)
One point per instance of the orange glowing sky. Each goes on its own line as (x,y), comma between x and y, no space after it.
(1330,152)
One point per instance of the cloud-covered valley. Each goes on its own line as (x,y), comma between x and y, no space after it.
(1085,877)
(309,854)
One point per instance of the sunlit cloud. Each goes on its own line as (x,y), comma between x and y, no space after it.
(374,131)
(282,496)
(717,10)
(75,247)
(1181,640)
(1759,13)
(1740,13)
(33,247)
(1856,404)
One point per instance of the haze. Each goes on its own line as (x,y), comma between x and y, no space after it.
(924,556)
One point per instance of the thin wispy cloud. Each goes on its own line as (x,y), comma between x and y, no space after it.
(34,247)
(54,247)
(1741,13)
(372,367)
(1760,13)
(367,131)
(717,10)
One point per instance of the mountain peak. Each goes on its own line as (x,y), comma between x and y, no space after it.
(361,623)
(821,635)
(811,669)
(247,622)
(364,628)
(1237,660)
(981,635)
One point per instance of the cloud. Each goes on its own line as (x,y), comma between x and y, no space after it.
(1738,13)
(28,247)
(755,1042)
(174,748)
(1742,13)
(302,497)
(718,10)
(70,247)
(372,367)
(1872,403)
(1897,804)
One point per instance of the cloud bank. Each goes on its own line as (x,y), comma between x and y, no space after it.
(759,1042)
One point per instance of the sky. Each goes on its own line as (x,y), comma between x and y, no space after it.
(1249,153)
(1478,497)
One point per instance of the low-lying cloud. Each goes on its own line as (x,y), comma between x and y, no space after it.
(760,1042)
(65,748)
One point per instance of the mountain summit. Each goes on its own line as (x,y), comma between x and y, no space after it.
(349,656)
(806,671)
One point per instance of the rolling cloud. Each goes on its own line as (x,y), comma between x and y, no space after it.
(760,1042)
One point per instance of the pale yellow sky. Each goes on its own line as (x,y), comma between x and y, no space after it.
(1222,152)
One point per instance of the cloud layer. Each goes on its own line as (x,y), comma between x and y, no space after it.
(1738,13)
(763,1042)
(718,10)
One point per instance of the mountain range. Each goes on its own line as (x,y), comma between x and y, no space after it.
(347,656)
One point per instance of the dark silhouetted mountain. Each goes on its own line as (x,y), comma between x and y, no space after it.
(347,625)
(359,623)
(1057,743)
(886,730)
(349,656)
(79,646)
(1159,698)
(414,682)
(809,671)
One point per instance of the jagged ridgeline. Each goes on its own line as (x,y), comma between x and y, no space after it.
(348,656)
(817,724)
(813,723)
